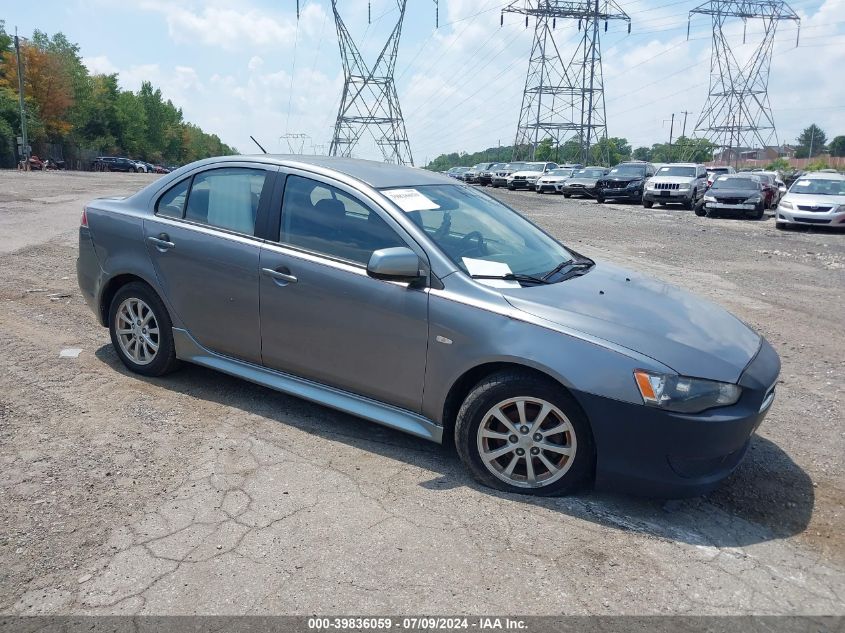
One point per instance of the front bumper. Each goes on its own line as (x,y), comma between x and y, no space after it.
(810,218)
(545,186)
(521,184)
(743,207)
(499,181)
(631,192)
(577,191)
(668,195)
(651,452)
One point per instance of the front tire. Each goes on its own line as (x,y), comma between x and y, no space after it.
(567,195)
(522,433)
(599,198)
(141,330)
(648,204)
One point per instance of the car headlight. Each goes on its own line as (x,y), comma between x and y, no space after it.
(683,394)
(786,204)
(635,183)
(651,185)
(754,199)
(840,209)
(684,187)
(709,198)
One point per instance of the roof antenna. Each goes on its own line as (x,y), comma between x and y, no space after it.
(257,143)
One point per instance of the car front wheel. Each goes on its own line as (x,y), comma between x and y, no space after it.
(141,330)
(521,433)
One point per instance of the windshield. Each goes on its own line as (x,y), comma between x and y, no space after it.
(688,172)
(590,173)
(819,187)
(534,167)
(498,166)
(628,170)
(560,172)
(515,166)
(467,224)
(719,170)
(744,184)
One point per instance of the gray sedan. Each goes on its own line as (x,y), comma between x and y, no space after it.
(422,304)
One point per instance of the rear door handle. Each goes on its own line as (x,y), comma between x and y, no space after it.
(162,242)
(278,275)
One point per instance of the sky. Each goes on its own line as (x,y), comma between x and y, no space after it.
(250,67)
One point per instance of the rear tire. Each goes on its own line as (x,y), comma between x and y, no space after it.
(648,204)
(561,462)
(599,198)
(567,195)
(141,330)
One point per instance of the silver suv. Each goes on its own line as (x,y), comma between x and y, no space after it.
(676,183)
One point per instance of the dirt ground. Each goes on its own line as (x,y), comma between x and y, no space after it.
(200,493)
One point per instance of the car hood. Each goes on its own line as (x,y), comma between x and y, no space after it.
(582,181)
(610,178)
(733,193)
(691,335)
(810,200)
(555,178)
(527,173)
(675,180)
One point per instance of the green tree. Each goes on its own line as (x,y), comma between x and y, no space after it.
(544,151)
(811,142)
(837,146)
(6,40)
(641,153)
(610,151)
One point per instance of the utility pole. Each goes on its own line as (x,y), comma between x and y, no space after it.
(812,139)
(24,139)
(563,98)
(671,135)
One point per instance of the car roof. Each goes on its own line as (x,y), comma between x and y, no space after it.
(823,175)
(662,165)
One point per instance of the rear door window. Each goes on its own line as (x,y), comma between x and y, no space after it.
(226,198)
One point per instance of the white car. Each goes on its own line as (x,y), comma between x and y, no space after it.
(551,180)
(526,178)
(817,198)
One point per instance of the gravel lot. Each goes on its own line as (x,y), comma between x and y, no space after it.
(200,493)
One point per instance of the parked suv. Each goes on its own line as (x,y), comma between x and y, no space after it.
(485,176)
(552,179)
(679,183)
(472,174)
(626,181)
(500,176)
(526,178)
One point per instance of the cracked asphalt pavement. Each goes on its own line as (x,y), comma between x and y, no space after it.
(200,493)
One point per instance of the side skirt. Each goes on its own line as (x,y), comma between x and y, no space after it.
(188,349)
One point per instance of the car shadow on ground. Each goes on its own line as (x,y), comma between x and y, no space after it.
(768,497)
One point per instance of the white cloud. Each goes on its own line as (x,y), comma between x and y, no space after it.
(233,28)
(99,65)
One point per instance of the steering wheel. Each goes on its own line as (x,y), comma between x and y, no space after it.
(480,246)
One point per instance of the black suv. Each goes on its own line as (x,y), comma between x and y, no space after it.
(626,181)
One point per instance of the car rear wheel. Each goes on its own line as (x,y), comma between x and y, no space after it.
(567,195)
(522,433)
(141,330)
(599,198)
(648,204)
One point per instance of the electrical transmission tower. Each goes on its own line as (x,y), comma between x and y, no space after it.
(564,98)
(369,101)
(737,114)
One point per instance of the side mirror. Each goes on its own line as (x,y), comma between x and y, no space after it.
(395,264)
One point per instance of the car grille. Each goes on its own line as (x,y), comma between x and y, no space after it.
(813,220)
(575,185)
(731,200)
(814,209)
(666,185)
(616,185)
(519,177)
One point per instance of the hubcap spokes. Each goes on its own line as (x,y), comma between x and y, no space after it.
(527,442)
(137,331)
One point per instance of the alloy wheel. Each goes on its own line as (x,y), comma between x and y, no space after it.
(137,331)
(526,442)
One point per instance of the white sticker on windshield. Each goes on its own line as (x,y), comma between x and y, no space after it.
(493,269)
(803,183)
(410,200)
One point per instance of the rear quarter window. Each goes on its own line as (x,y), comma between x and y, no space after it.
(172,203)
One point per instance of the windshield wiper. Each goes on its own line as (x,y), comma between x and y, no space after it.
(514,277)
(568,266)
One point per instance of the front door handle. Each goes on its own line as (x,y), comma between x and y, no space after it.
(162,242)
(279,275)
